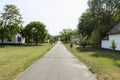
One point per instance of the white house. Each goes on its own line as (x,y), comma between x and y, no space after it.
(17,39)
(114,34)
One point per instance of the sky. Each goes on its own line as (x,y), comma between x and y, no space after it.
(55,14)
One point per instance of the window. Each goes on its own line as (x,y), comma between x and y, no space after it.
(19,39)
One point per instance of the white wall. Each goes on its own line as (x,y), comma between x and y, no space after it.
(22,38)
(115,37)
(14,39)
(107,43)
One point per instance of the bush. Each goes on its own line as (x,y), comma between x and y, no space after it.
(113,45)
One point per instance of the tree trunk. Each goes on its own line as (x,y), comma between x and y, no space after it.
(83,46)
(2,43)
(36,43)
(2,38)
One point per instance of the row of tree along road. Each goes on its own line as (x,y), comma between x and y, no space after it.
(95,22)
(11,24)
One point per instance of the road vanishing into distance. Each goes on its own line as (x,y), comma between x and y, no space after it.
(57,64)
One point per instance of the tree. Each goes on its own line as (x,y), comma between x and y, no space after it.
(86,23)
(101,16)
(10,22)
(66,35)
(95,38)
(116,15)
(35,32)
(83,40)
(52,40)
(103,11)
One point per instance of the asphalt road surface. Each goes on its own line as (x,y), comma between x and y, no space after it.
(57,64)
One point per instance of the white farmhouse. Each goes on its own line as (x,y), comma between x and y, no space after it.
(16,39)
(114,34)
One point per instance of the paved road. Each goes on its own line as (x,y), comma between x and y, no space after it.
(57,64)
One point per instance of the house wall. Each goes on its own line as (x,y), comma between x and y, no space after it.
(14,39)
(22,38)
(107,43)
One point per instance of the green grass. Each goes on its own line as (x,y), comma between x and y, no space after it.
(15,59)
(103,63)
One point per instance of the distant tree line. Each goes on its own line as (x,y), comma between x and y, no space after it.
(66,35)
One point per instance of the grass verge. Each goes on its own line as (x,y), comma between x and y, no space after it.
(105,64)
(15,59)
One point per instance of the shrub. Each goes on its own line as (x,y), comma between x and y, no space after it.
(113,45)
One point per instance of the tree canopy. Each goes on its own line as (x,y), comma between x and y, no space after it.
(35,32)
(10,22)
(101,16)
(66,35)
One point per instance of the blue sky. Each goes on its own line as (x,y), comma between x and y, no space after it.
(55,14)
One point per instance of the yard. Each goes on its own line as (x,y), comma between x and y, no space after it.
(15,59)
(103,63)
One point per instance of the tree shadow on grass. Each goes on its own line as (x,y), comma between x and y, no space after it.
(21,45)
(106,54)
(117,63)
(114,55)
(86,49)
(32,44)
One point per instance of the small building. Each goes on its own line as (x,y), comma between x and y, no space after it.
(16,39)
(114,34)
